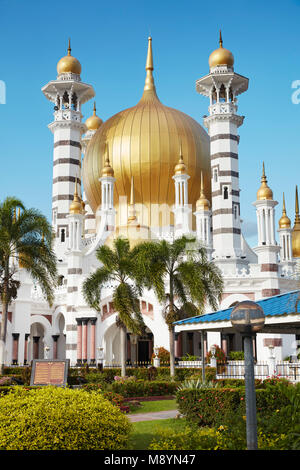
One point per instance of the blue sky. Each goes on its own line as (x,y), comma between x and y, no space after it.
(110,40)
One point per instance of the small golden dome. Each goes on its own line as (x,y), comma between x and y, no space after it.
(284,221)
(69,64)
(221,56)
(202,203)
(93,122)
(296,230)
(107,170)
(264,191)
(76,204)
(180,168)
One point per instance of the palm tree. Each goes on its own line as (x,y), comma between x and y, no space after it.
(182,278)
(25,241)
(119,267)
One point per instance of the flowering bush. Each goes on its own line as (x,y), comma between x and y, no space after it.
(219,355)
(53,418)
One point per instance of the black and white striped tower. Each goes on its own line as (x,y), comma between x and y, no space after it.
(68,94)
(222,85)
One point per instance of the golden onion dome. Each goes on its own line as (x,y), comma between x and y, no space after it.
(180,168)
(143,142)
(69,64)
(93,122)
(202,203)
(284,221)
(264,191)
(296,230)
(76,204)
(107,170)
(221,56)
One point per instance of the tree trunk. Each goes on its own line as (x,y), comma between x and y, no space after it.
(172,350)
(4,321)
(123,351)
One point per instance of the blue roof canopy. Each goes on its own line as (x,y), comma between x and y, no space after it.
(282,304)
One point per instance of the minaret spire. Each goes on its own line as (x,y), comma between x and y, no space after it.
(149,82)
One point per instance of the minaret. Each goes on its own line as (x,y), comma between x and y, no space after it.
(222,85)
(74,257)
(182,211)
(107,181)
(296,231)
(92,124)
(285,236)
(68,93)
(267,249)
(203,220)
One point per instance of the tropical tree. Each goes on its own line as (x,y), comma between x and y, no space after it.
(183,279)
(25,240)
(119,267)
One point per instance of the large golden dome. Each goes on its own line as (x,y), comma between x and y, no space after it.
(296,230)
(144,142)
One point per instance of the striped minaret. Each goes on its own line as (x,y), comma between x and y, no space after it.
(267,249)
(68,94)
(222,85)
(92,124)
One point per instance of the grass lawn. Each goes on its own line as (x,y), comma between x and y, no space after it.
(145,431)
(152,406)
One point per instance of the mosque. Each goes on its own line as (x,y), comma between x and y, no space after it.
(149,172)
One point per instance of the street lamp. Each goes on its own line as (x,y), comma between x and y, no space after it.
(248,318)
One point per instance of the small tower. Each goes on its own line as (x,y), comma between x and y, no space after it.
(75,221)
(222,86)
(67,93)
(107,181)
(296,230)
(285,236)
(203,220)
(92,124)
(267,249)
(182,211)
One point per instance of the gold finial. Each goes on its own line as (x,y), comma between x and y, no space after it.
(202,202)
(69,47)
(94,111)
(264,191)
(149,82)
(297,202)
(221,40)
(107,169)
(180,168)
(284,221)
(131,209)
(75,206)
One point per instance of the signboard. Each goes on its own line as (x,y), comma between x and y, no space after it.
(49,372)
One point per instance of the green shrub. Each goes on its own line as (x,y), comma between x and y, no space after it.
(53,418)
(236,355)
(190,438)
(142,388)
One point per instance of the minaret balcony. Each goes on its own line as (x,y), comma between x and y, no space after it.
(67,115)
(222,108)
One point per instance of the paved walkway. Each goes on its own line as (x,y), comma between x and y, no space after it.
(152,416)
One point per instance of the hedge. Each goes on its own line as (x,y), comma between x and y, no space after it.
(209,407)
(53,418)
(142,388)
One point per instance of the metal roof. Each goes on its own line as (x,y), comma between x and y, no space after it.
(278,305)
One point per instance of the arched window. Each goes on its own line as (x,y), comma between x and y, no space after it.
(225,192)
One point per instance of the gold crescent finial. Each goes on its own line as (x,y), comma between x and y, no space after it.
(94,108)
(220,39)
(69,47)
(297,203)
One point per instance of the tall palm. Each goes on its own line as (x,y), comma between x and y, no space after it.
(25,240)
(119,267)
(183,278)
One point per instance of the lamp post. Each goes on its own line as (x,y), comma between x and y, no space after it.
(248,318)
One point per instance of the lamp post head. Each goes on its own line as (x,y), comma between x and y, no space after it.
(247,317)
